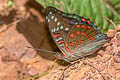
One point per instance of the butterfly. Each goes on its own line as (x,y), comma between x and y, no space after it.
(75,36)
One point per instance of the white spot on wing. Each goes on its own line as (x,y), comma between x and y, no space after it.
(61,27)
(52,17)
(61,45)
(55,20)
(54,30)
(60,38)
(67,29)
(58,23)
(50,13)
(48,20)
(57,28)
(46,17)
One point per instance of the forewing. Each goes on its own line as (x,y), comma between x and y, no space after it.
(59,26)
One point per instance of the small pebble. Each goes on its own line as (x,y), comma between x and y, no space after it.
(116,59)
(105,58)
(100,68)
(118,36)
(32,71)
(108,50)
(101,53)
(117,28)
(118,54)
(93,70)
(111,33)
(118,76)
(117,66)
(1,45)
(111,70)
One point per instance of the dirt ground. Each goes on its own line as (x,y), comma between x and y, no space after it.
(18,62)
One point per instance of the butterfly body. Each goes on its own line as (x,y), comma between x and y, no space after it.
(74,35)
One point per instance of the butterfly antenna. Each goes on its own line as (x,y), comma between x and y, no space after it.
(41,50)
(109,20)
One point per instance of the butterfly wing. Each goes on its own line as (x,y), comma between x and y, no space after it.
(73,34)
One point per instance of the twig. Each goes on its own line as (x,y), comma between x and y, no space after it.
(110,21)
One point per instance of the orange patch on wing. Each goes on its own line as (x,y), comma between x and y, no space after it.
(66,47)
(71,43)
(89,27)
(83,26)
(68,50)
(56,35)
(81,41)
(72,35)
(59,42)
(78,26)
(82,33)
(77,45)
(78,32)
(83,19)
(86,35)
(74,42)
(91,38)
(88,21)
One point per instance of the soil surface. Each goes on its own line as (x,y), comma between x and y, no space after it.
(23,24)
